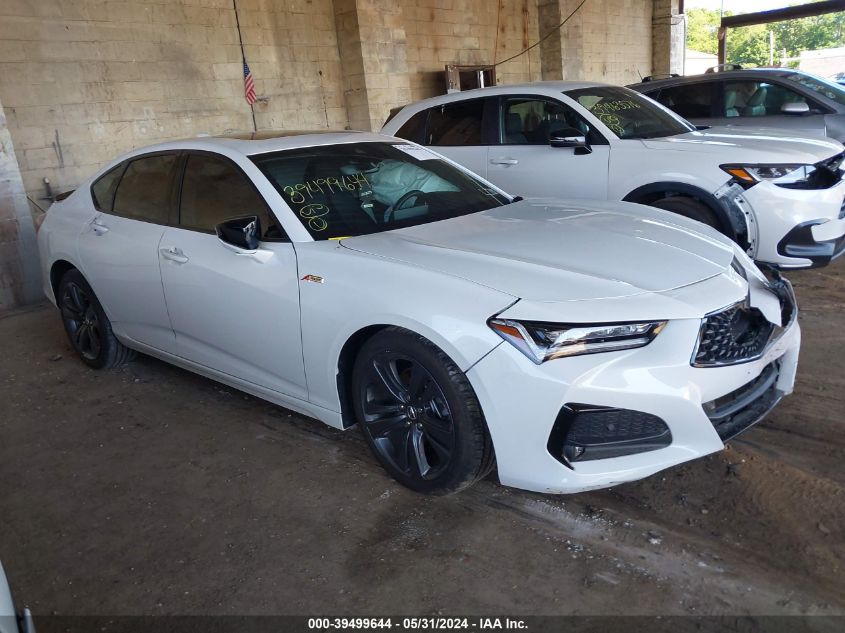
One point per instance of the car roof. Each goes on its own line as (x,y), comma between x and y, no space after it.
(529,87)
(262,142)
(743,73)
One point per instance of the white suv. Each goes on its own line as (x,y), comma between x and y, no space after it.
(778,196)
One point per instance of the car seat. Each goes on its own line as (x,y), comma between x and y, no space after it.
(756,105)
(513,129)
(730,103)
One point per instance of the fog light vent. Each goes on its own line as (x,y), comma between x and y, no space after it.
(586,432)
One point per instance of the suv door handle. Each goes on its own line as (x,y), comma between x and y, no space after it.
(99,229)
(504,161)
(174,255)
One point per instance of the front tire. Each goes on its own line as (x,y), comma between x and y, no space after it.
(87,327)
(419,414)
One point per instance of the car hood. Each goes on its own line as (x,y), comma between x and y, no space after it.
(549,250)
(753,145)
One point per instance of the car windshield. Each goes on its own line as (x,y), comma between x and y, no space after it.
(352,189)
(629,114)
(829,89)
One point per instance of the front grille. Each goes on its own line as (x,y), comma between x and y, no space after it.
(734,335)
(735,412)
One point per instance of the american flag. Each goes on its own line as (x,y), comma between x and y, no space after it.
(249,85)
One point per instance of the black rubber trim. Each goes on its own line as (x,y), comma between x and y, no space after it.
(738,411)
(799,242)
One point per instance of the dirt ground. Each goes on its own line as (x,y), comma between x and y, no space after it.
(149,490)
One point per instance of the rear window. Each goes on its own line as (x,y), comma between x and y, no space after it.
(102,191)
(455,124)
(144,190)
(414,128)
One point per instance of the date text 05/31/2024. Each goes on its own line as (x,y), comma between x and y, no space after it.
(413,624)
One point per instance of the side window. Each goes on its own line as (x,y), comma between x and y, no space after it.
(534,121)
(754,98)
(414,128)
(144,190)
(213,190)
(456,123)
(102,191)
(691,101)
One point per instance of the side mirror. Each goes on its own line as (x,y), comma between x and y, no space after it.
(241,233)
(795,107)
(570,137)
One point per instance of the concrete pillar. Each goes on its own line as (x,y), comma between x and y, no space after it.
(371,41)
(562,55)
(668,33)
(20,277)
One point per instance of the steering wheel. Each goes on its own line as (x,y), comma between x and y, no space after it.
(401,202)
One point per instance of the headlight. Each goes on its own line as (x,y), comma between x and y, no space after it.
(786,175)
(544,341)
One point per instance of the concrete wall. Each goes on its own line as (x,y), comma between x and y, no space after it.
(82,81)
(19,274)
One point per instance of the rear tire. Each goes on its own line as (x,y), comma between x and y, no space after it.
(419,414)
(689,208)
(87,327)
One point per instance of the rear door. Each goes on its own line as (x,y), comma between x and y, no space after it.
(461,131)
(119,247)
(522,162)
(232,312)
(697,102)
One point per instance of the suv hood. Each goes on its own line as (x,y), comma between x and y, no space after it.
(549,250)
(753,146)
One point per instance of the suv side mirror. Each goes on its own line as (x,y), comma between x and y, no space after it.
(795,107)
(570,137)
(241,233)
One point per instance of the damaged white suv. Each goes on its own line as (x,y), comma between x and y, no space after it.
(779,197)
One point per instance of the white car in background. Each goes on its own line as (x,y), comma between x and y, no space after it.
(362,279)
(779,197)
(12,620)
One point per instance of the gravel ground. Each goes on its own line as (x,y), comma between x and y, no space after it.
(150,490)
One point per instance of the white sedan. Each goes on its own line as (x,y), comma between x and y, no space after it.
(362,279)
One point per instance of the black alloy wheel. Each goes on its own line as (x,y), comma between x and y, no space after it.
(86,324)
(81,321)
(419,413)
(407,416)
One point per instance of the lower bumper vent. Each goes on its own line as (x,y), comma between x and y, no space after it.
(735,412)
(585,432)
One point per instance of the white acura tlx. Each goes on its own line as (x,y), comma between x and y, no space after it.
(358,278)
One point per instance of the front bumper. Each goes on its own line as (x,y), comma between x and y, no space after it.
(522,402)
(797,228)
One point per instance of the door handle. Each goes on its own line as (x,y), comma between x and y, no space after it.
(99,229)
(174,255)
(504,161)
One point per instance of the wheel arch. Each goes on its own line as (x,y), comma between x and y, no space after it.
(58,270)
(729,225)
(345,363)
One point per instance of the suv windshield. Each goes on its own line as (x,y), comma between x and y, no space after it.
(629,114)
(829,89)
(359,188)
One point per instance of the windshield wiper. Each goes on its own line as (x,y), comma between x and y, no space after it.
(516,199)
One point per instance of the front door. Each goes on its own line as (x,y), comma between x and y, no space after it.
(235,313)
(525,164)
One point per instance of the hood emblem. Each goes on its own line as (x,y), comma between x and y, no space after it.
(314,278)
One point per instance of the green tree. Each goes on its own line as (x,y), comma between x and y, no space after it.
(749,45)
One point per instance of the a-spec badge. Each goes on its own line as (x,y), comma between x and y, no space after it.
(315,278)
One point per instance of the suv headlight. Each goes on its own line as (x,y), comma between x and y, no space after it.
(544,341)
(785,175)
